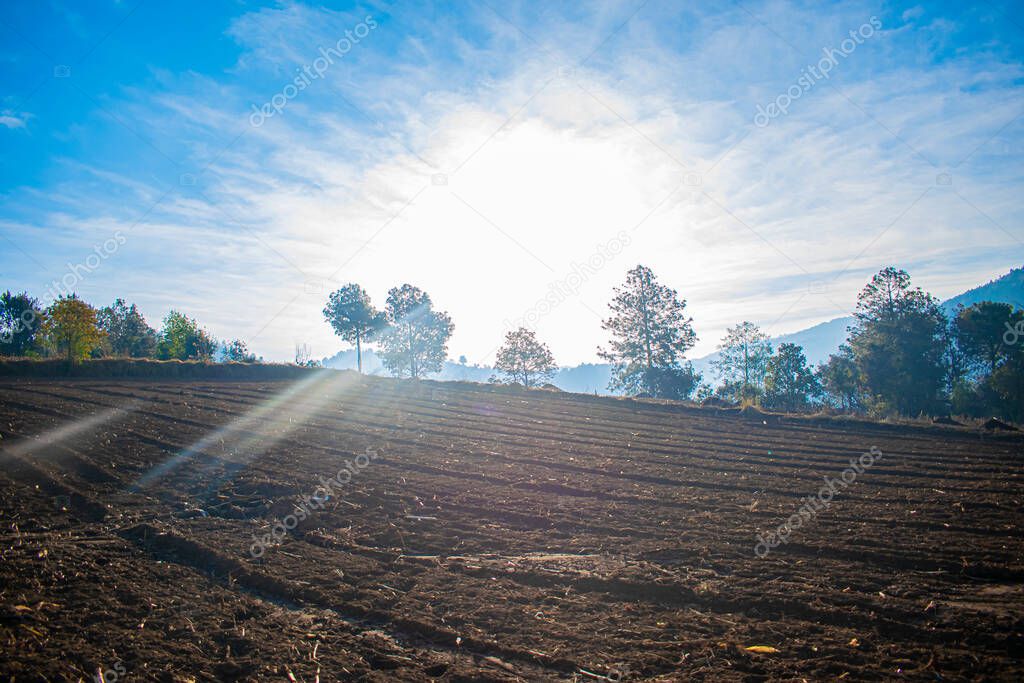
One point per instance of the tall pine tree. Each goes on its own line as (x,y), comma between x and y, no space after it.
(650,335)
(897,344)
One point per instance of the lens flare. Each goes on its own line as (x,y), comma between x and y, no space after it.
(259,430)
(67,432)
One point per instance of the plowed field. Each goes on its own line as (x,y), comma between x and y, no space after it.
(178,531)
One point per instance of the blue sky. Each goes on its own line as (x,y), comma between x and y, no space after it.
(512,159)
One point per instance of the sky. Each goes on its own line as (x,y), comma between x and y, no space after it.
(237,161)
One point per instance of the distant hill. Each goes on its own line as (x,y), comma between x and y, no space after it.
(825,338)
(1009,289)
(820,340)
(818,343)
(581,379)
(346,360)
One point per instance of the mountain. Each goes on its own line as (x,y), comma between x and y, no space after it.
(588,378)
(824,339)
(820,340)
(346,360)
(1009,289)
(818,343)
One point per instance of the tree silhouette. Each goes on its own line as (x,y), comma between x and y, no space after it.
(980,331)
(353,317)
(840,379)
(896,341)
(789,384)
(525,359)
(650,335)
(416,341)
(743,360)
(1007,382)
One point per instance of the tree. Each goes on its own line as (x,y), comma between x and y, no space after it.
(650,335)
(238,352)
(743,359)
(181,338)
(353,317)
(20,319)
(955,359)
(127,332)
(973,399)
(416,340)
(986,339)
(981,329)
(1007,383)
(789,384)
(70,329)
(675,383)
(525,359)
(896,340)
(840,380)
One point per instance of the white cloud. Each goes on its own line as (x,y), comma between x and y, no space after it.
(783,228)
(912,13)
(11,119)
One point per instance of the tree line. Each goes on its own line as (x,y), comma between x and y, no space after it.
(903,355)
(71,329)
(412,338)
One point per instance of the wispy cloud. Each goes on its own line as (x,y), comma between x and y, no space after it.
(903,156)
(12,119)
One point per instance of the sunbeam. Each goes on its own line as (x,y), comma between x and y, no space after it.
(66,432)
(246,437)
